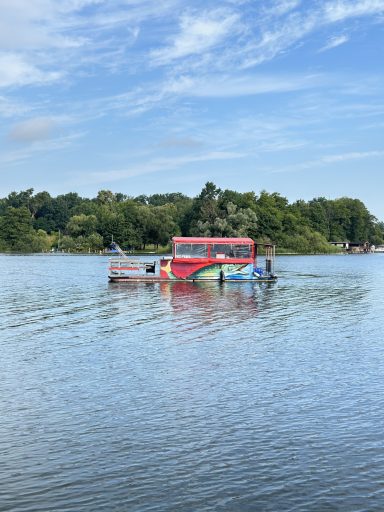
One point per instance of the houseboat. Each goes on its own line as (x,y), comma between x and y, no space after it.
(198,259)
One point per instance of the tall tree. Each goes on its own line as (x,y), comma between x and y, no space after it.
(16,228)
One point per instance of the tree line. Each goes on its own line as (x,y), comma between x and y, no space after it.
(39,222)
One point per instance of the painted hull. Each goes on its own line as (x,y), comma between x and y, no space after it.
(170,269)
(176,271)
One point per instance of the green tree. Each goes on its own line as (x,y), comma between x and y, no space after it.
(162,225)
(232,222)
(241,200)
(105,197)
(16,228)
(270,212)
(204,208)
(39,241)
(30,222)
(62,209)
(81,225)
(19,199)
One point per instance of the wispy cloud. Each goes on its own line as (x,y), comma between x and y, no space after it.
(276,31)
(39,147)
(11,108)
(225,86)
(213,85)
(160,164)
(42,41)
(16,70)
(280,7)
(45,41)
(197,34)
(331,159)
(344,9)
(334,42)
(195,79)
(38,24)
(354,155)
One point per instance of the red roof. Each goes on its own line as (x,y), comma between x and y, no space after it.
(205,240)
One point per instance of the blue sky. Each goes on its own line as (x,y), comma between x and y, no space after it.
(142,96)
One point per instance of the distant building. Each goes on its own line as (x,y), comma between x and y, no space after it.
(356,247)
(341,245)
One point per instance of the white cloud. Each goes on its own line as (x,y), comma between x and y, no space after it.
(10,108)
(131,12)
(334,42)
(331,159)
(222,86)
(35,129)
(81,35)
(67,37)
(281,7)
(38,147)
(15,70)
(197,35)
(354,155)
(273,38)
(275,31)
(169,92)
(37,24)
(341,10)
(158,165)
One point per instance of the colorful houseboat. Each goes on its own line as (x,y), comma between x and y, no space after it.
(199,259)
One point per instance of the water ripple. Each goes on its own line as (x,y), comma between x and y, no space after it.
(191,396)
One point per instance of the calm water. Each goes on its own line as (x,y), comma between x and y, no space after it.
(191,397)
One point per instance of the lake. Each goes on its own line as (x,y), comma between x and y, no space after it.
(191,396)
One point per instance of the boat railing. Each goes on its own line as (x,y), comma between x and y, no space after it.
(116,247)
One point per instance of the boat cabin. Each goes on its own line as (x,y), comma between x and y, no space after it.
(201,258)
(237,250)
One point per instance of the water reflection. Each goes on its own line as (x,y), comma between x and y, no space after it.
(207,300)
(195,306)
(191,396)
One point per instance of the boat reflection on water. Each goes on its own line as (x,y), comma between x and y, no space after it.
(187,306)
(209,302)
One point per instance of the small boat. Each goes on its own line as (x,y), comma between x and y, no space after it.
(198,259)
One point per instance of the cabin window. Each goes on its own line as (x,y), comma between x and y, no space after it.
(242,251)
(220,251)
(191,251)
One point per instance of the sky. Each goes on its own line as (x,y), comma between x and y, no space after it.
(144,97)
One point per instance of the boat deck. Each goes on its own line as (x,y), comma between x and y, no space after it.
(159,279)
